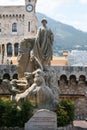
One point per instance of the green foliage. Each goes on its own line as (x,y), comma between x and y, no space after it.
(26,112)
(11,115)
(65,112)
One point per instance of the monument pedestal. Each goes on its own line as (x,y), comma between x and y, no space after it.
(42,120)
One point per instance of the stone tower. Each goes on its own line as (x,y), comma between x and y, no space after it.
(16,23)
(30,19)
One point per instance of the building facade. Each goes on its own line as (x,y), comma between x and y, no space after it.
(16,23)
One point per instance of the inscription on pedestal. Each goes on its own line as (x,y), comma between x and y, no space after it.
(42,120)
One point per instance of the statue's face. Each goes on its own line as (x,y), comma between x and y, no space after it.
(44,23)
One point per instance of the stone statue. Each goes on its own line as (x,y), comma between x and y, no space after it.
(23,57)
(43,94)
(13,89)
(27,62)
(34,63)
(4,87)
(33,66)
(43,44)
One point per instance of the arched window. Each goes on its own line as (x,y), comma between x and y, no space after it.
(29,26)
(63,80)
(82,79)
(14,27)
(15,76)
(72,80)
(9,49)
(0,49)
(0,27)
(3,52)
(6,76)
(3,49)
(72,77)
(16,45)
(64,77)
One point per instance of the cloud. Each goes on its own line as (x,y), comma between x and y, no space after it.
(83,1)
(54,3)
(12,2)
(50,7)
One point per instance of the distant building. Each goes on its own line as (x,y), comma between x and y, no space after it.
(60,60)
(16,23)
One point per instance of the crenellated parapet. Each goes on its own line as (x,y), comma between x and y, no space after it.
(70,71)
(8,72)
(12,15)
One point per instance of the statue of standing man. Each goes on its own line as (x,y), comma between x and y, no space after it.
(43,44)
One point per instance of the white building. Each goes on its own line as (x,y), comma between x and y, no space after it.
(16,23)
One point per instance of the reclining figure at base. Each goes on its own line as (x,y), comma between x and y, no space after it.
(39,90)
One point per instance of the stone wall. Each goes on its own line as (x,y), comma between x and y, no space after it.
(8,72)
(72,82)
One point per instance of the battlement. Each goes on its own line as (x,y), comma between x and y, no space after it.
(8,72)
(69,71)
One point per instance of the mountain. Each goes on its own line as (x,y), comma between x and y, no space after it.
(66,37)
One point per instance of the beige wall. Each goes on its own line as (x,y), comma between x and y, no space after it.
(19,15)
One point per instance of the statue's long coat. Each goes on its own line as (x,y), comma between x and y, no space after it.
(43,45)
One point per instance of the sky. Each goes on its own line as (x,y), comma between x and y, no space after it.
(71,12)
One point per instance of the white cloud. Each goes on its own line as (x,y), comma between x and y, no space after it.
(50,8)
(12,2)
(83,1)
(49,4)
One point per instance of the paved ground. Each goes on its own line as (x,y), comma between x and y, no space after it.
(80,124)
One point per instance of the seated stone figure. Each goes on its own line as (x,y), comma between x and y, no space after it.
(43,94)
(4,87)
(13,89)
(24,56)
(27,62)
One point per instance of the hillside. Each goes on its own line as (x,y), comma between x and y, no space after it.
(66,37)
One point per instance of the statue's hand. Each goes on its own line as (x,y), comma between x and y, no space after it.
(27,74)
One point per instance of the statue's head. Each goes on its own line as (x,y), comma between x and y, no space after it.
(44,20)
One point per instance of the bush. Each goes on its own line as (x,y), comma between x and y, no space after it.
(26,111)
(65,112)
(11,116)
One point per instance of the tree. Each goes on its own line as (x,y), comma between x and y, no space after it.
(11,116)
(65,112)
